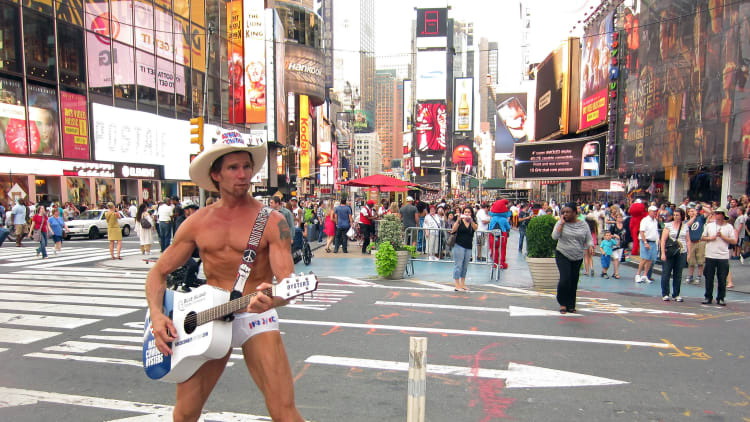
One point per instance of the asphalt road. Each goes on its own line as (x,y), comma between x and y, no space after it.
(70,347)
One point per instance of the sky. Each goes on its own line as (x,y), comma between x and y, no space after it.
(497,20)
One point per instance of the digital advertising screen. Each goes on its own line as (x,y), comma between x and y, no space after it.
(577,159)
(430,130)
(431,75)
(432,22)
(595,62)
(463,105)
(255,61)
(510,121)
(408,104)
(551,95)
(463,156)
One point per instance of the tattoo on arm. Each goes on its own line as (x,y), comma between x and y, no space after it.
(284,233)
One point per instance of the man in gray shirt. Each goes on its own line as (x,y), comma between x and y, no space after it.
(276,204)
(409,218)
(19,219)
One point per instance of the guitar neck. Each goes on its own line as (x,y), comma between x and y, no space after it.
(219,312)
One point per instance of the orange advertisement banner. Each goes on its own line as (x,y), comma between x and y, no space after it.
(255,61)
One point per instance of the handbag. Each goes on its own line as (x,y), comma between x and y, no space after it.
(145,223)
(672,246)
(451,240)
(351,234)
(36,235)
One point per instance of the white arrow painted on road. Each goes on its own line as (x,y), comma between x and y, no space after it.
(514,311)
(11,397)
(516,376)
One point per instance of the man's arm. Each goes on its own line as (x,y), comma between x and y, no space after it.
(156,283)
(279,236)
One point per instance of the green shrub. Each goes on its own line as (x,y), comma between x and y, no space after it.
(540,243)
(385,259)
(391,231)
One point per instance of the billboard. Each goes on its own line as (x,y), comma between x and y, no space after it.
(463,105)
(344,131)
(683,85)
(304,72)
(551,100)
(255,61)
(305,134)
(12,118)
(576,159)
(408,104)
(463,156)
(235,55)
(595,73)
(431,75)
(75,133)
(276,109)
(431,129)
(510,121)
(44,124)
(363,121)
(432,22)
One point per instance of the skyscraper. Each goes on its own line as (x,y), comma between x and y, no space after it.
(388,97)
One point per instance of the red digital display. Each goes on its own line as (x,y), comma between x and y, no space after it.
(432,22)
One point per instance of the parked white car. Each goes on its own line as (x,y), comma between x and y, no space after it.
(92,224)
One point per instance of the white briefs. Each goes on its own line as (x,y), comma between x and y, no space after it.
(247,325)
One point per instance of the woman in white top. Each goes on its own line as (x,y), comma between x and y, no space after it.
(145,235)
(431,225)
(674,263)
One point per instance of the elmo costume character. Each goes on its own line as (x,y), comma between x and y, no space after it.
(637,213)
(499,215)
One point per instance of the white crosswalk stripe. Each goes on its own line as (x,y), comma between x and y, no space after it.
(27,256)
(38,304)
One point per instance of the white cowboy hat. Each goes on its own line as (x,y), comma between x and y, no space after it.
(229,142)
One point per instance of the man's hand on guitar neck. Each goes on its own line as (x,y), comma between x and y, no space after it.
(164,332)
(261,302)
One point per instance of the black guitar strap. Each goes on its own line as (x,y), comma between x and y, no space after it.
(248,258)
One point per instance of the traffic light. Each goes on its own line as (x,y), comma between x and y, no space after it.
(196,132)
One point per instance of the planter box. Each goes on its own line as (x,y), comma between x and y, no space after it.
(398,272)
(544,272)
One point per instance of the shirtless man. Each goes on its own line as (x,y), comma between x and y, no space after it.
(221,233)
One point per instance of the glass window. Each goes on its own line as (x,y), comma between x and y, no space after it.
(226,107)
(166,4)
(213,101)
(12,118)
(164,34)
(181,41)
(122,21)
(99,59)
(70,11)
(165,79)
(182,8)
(198,12)
(196,85)
(146,78)
(198,48)
(44,128)
(182,91)
(144,25)
(97,17)
(10,47)
(39,45)
(124,72)
(70,50)
(44,6)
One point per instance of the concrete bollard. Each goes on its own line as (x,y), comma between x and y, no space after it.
(415,405)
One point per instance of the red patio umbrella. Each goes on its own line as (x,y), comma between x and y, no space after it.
(376,180)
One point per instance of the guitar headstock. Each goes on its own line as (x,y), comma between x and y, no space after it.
(295,285)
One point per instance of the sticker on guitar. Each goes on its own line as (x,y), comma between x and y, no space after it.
(203,333)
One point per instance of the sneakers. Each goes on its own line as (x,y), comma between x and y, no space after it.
(697,280)
(665,298)
(721,302)
(678,299)
(647,280)
(638,279)
(592,272)
(688,279)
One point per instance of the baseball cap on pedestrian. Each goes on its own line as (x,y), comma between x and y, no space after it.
(721,210)
(691,205)
(409,199)
(653,208)
(189,204)
(293,199)
(231,141)
(370,202)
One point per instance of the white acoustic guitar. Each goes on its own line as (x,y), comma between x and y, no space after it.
(203,333)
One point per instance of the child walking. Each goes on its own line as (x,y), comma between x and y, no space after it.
(606,248)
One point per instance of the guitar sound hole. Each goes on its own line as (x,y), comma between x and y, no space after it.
(191,322)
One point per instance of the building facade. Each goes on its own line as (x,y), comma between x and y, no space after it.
(368,155)
(388,115)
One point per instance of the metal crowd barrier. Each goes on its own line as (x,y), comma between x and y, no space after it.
(431,246)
